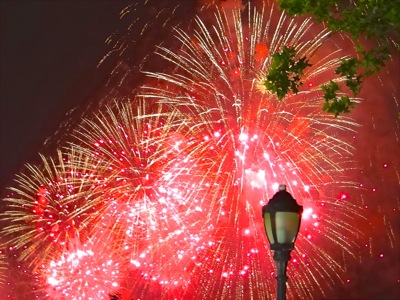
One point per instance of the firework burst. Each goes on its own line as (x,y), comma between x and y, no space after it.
(89,271)
(154,213)
(256,142)
(50,209)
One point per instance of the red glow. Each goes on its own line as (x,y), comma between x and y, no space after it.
(164,200)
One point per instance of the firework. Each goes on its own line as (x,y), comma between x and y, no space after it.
(51,208)
(256,142)
(155,215)
(89,271)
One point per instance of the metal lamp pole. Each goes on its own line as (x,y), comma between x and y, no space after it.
(282,216)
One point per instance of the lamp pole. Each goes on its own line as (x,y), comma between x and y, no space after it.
(281,258)
(282,216)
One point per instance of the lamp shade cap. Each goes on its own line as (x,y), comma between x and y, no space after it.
(282,201)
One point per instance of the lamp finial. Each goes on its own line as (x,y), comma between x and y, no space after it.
(282,187)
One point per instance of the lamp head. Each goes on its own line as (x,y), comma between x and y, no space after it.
(282,216)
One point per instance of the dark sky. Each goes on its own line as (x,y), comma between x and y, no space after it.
(49,52)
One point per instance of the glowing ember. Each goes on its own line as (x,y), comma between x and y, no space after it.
(83,274)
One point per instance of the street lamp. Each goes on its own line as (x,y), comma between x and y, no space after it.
(282,216)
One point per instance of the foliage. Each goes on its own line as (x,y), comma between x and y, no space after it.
(374,18)
(377,20)
(285,72)
(334,104)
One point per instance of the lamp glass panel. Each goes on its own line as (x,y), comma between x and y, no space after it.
(268,227)
(287,224)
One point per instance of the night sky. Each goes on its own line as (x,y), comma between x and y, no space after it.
(48,60)
(49,53)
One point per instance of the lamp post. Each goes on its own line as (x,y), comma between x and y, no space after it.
(282,216)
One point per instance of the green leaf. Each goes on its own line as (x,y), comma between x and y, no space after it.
(333,103)
(285,72)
